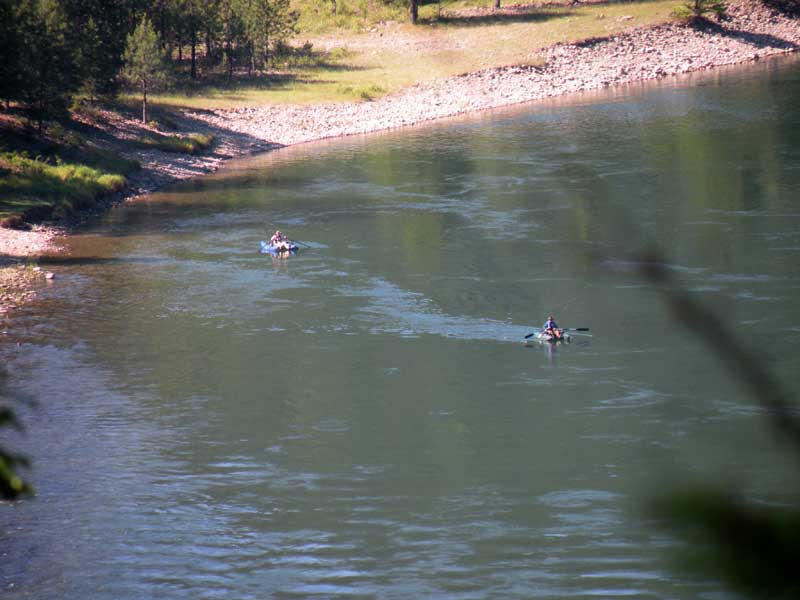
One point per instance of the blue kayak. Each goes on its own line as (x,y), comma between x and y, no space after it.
(267,248)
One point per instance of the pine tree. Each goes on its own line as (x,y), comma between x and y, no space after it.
(700,9)
(48,73)
(9,50)
(96,37)
(268,24)
(281,25)
(144,65)
(90,60)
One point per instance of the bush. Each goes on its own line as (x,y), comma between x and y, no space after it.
(191,144)
(700,9)
(367,93)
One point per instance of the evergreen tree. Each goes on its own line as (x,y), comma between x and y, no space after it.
(96,38)
(46,61)
(9,50)
(281,25)
(268,24)
(90,61)
(145,67)
(700,9)
(232,32)
(211,24)
(192,21)
(11,484)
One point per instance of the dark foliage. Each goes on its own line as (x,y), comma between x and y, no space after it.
(752,545)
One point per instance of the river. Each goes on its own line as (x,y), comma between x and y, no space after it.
(362,419)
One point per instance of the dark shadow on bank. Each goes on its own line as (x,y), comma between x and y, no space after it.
(537,15)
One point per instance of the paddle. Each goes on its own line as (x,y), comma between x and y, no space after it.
(530,335)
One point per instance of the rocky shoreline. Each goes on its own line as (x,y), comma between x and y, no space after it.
(754,31)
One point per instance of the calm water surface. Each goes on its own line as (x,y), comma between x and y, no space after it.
(362,419)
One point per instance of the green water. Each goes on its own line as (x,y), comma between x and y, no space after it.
(362,419)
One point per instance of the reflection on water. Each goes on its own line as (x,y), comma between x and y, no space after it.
(362,418)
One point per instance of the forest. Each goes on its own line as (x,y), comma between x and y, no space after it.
(57,50)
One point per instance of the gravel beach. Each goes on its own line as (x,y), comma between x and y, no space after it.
(753,31)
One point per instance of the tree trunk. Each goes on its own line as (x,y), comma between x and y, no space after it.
(413,11)
(163,19)
(144,103)
(40,107)
(497,3)
(194,53)
(229,52)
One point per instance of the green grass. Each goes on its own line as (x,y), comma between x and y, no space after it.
(191,144)
(362,59)
(318,16)
(45,187)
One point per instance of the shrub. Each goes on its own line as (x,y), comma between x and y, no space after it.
(366,93)
(700,9)
(191,144)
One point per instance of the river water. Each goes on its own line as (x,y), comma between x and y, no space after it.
(362,419)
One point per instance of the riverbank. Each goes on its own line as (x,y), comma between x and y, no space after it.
(754,31)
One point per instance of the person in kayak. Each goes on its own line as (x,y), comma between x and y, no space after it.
(280,241)
(551,328)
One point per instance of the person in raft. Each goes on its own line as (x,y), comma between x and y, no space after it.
(551,328)
(280,241)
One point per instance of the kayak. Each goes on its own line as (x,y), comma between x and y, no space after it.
(267,248)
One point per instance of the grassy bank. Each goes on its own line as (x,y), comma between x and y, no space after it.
(55,176)
(360,52)
(358,55)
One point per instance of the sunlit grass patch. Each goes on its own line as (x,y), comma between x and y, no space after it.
(190,144)
(350,57)
(320,16)
(361,93)
(39,188)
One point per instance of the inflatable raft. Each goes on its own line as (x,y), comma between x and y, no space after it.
(267,248)
(543,336)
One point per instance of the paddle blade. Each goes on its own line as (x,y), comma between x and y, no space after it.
(530,335)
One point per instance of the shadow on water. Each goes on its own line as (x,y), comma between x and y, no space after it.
(79,261)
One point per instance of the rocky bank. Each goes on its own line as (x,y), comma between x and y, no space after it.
(754,31)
